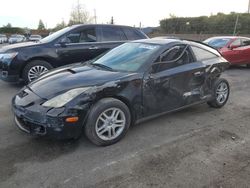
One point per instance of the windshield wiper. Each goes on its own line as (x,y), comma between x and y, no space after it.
(102,66)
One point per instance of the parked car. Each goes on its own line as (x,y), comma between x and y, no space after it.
(35,38)
(129,84)
(16,39)
(3,39)
(70,45)
(233,48)
(166,37)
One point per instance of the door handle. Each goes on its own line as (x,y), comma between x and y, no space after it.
(199,73)
(93,48)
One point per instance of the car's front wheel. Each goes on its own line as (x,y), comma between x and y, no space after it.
(221,91)
(108,122)
(34,69)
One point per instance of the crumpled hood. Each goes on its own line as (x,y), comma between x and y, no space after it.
(14,47)
(69,77)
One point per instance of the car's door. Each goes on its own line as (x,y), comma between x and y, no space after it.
(78,45)
(234,52)
(245,50)
(173,81)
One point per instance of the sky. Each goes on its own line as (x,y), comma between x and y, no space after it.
(26,13)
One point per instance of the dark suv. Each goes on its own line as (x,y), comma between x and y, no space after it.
(72,44)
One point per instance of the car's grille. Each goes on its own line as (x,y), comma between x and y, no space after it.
(30,127)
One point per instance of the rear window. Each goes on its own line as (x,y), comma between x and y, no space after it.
(112,34)
(202,54)
(132,34)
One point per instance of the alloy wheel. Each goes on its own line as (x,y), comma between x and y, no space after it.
(222,92)
(36,71)
(110,124)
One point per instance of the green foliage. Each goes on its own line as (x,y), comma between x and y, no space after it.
(41,25)
(59,26)
(12,30)
(214,24)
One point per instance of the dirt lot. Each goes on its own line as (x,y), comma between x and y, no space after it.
(197,147)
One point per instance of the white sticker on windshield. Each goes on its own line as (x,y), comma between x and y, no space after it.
(149,47)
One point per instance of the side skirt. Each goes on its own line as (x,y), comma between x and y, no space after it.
(167,112)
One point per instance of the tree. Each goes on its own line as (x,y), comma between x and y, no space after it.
(41,25)
(214,24)
(59,26)
(79,15)
(112,21)
(8,25)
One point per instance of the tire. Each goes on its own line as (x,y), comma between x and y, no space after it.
(221,86)
(94,122)
(248,65)
(39,65)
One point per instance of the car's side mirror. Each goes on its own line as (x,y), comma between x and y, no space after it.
(64,41)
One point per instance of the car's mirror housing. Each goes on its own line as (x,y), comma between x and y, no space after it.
(64,41)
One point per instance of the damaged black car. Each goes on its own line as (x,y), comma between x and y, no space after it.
(134,82)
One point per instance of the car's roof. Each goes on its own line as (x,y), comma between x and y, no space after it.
(166,42)
(158,41)
(228,37)
(79,25)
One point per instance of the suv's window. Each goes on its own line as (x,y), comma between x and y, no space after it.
(85,35)
(202,54)
(131,34)
(173,57)
(112,34)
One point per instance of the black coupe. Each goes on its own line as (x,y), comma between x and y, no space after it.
(131,83)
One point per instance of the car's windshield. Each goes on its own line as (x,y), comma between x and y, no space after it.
(127,57)
(217,42)
(55,35)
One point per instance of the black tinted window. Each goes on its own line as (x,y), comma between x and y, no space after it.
(85,35)
(201,54)
(176,56)
(245,42)
(132,34)
(112,34)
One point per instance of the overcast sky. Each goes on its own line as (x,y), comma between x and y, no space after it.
(26,13)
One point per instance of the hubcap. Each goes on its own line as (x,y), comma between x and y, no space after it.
(110,124)
(222,93)
(36,71)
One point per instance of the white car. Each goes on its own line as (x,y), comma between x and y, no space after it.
(3,39)
(16,38)
(35,38)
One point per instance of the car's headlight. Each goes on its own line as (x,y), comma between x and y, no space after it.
(61,100)
(8,55)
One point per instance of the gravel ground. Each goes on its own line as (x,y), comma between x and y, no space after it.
(196,147)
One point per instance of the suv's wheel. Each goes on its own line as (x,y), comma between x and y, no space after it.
(108,122)
(221,91)
(34,69)
(248,65)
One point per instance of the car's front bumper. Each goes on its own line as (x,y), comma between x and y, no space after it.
(5,76)
(37,121)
